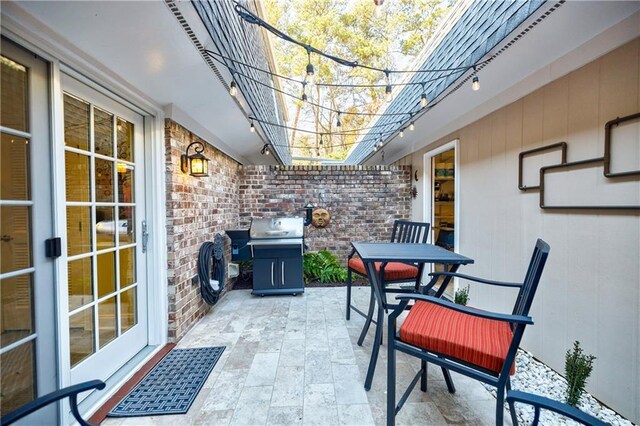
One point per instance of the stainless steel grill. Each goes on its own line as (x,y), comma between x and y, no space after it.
(276,247)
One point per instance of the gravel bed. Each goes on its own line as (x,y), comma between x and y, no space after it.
(535,377)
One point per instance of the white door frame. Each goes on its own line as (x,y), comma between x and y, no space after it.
(26,31)
(428,191)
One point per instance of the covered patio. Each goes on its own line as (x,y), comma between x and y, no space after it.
(153,152)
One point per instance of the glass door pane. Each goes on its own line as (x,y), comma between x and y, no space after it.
(17,335)
(102,250)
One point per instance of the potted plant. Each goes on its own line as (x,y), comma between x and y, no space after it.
(461,296)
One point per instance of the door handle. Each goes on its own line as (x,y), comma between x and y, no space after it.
(145,236)
(272,284)
(6,238)
(282,276)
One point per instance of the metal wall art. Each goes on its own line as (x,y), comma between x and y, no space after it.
(592,162)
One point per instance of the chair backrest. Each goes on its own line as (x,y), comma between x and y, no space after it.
(531,280)
(445,239)
(409,232)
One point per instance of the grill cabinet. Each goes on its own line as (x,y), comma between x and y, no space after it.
(276,247)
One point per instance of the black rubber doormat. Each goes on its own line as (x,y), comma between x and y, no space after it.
(172,385)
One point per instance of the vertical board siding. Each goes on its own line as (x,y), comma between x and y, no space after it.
(590,290)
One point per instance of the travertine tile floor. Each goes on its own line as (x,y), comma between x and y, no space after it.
(293,360)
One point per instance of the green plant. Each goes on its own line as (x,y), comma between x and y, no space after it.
(462,296)
(577,369)
(323,266)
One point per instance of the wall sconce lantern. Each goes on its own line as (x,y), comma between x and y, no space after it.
(195,164)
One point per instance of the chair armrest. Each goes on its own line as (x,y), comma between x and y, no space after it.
(555,406)
(476,279)
(517,319)
(71,392)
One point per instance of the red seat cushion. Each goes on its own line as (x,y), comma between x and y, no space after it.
(393,271)
(478,341)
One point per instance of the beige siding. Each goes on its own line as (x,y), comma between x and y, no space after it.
(591,287)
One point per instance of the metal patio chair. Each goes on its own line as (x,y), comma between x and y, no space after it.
(476,343)
(539,402)
(70,392)
(389,272)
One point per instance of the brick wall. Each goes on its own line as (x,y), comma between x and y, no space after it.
(197,209)
(363,200)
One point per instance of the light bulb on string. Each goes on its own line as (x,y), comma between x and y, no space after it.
(475,83)
(233,90)
(252,128)
(321,139)
(401,134)
(338,123)
(387,89)
(423,100)
(378,8)
(265,150)
(310,70)
(412,126)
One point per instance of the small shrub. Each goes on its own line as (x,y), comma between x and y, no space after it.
(324,267)
(577,369)
(461,296)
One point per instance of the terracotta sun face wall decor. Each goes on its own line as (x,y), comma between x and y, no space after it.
(320,218)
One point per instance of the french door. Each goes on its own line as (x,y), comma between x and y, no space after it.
(28,363)
(105,232)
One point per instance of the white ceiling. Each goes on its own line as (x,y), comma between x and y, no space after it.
(144,47)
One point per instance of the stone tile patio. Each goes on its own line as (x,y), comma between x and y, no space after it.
(294,360)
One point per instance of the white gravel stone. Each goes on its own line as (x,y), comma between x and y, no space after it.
(535,377)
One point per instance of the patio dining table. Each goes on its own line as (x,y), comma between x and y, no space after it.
(418,254)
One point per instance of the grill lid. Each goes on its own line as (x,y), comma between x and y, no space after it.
(277,228)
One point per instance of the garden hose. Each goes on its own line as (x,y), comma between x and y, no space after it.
(211,269)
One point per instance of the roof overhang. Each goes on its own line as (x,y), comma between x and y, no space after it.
(572,36)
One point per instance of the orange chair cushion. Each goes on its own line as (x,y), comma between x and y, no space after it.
(393,271)
(479,341)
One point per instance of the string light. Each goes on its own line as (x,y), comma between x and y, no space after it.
(233,90)
(321,138)
(310,71)
(251,18)
(275,89)
(387,89)
(343,132)
(423,100)
(378,9)
(252,128)
(265,150)
(293,80)
(475,84)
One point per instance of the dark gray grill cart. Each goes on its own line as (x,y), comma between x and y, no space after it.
(277,247)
